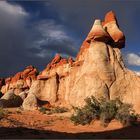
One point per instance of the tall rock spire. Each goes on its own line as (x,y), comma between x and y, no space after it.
(107,31)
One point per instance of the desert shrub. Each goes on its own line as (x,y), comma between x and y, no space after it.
(43,110)
(86,114)
(105,111)
(58,110)
(126,115)
(82,117)
(53,110)
(108,111)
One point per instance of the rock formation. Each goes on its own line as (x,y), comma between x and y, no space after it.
(20,81)
(9,99)
(98,70)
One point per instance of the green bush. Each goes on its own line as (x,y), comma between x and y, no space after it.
(89,112)
(82,117)
(105,111)
(43,110)
(58,110)
(126,115)
(108,111)
(53,110)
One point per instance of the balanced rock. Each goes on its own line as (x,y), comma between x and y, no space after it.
(110,25)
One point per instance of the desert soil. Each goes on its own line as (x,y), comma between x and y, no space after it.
(33,124)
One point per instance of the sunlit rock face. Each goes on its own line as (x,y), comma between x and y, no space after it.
(98,71)
(20,81)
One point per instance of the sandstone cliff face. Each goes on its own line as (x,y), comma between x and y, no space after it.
(98,70)
(46,90)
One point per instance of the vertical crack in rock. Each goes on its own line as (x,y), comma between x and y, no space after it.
(57,82)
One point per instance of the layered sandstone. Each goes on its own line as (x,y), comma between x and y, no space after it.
(98,71)
(58,65)
(20,81)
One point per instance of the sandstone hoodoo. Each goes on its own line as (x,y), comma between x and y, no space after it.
(98,71)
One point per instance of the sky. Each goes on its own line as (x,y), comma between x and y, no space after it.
(33,32)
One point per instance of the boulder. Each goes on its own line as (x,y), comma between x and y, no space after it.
(30,102)
(9,99)
(9,95)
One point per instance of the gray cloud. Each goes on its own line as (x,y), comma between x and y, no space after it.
(12,31)
(79,15)
(15,40)
(36,44)
(54,38)
(22,44)
(133,59)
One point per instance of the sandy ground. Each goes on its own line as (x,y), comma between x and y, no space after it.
(33,124)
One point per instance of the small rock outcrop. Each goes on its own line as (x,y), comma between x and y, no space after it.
(20,81)
(9,99)
(30,102)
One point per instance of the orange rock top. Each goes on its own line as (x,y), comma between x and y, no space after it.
(108,30)
(57,61)
(110,16)
(29,73)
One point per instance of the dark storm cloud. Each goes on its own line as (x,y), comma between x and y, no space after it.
(54,38)
(23,43)
(80,14)
(12,37)
(15,40)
